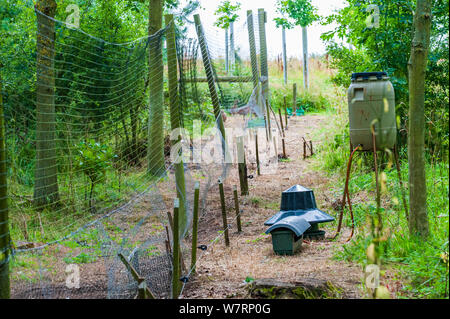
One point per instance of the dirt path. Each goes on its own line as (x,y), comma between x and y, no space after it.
(221,271)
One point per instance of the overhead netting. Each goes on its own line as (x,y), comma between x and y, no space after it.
(85,181)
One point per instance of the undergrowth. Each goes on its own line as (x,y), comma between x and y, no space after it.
(421,266)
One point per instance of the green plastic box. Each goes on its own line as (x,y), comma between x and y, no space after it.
(285,242)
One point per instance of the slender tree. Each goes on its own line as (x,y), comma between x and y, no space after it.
(46,179)
(155,153)
(282,23)
(227,15)
(300,13)
(418,219)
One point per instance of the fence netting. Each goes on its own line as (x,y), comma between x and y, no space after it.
(85,180)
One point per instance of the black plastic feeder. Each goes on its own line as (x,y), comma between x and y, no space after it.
(299,201)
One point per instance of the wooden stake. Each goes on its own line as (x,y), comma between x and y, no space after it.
(168,247)
(195,227)
(176,250)
(143,291)
(304,149)
(224,213)
(265,126)
(242,166)
(285,112)
(257,153)
(282,134)
(294,97)
(183,266)
(236,206)
(268,119)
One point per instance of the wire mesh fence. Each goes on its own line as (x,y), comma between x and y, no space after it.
(85,181)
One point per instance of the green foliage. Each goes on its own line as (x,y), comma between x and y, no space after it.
(422,265)
(93,159)
(308,101)
(261,237)
(249,279)
(387,48)
(81,258)
(296,12)
(227,13)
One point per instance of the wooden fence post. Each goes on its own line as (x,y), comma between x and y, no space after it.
(175,116)
(210,75)
(155,150)
(236,206)
(262,18)
(242,166)
(251,41)
(257,152)
(4,222)
(224,213)
(195,227)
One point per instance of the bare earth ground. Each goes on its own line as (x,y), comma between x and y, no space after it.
(221,271)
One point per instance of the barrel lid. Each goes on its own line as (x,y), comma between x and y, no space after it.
(312,216)
(296,224)
(367,75)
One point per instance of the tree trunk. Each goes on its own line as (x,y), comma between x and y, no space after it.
(418,219)
(305,58)
(227,56)
(134,109)
(232,51)
(155,153)
(46,179)
(283,38)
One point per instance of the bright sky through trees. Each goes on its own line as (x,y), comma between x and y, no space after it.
(293,37)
